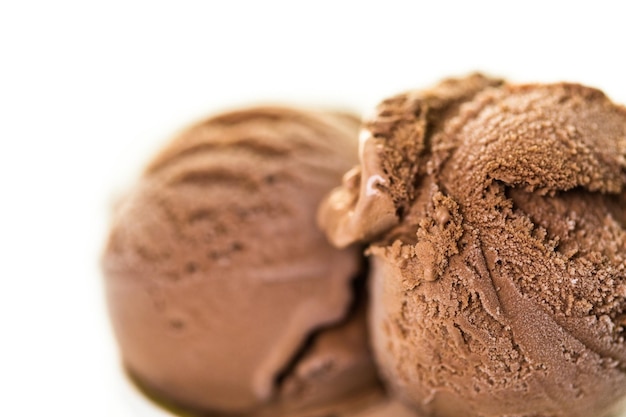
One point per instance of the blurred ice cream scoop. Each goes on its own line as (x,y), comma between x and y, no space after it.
(223,293)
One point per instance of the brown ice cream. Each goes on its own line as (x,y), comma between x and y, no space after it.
(496,217)
(224,295)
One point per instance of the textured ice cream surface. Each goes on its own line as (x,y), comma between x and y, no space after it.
(223,293)
(496,221)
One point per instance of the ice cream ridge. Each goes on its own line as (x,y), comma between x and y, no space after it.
(225,296)
(495,222)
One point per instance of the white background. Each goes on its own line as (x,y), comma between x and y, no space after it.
(88,90)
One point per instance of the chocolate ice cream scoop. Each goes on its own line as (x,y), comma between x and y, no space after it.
(223,293)
(496,218)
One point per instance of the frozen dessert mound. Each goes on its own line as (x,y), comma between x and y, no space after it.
(496,221)
(224,295)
